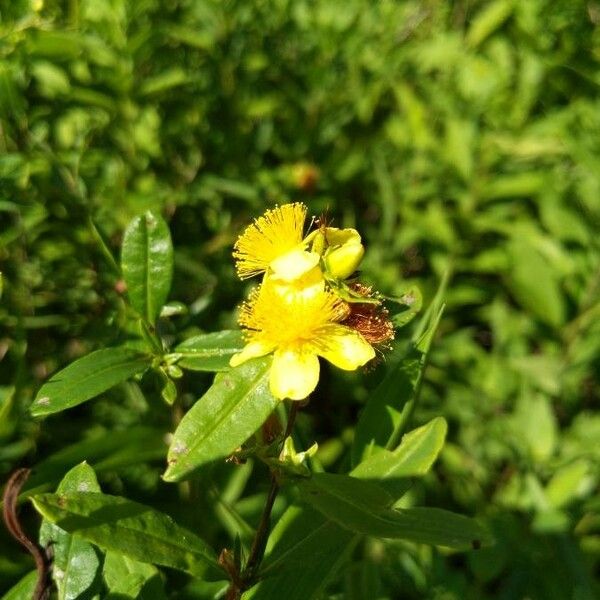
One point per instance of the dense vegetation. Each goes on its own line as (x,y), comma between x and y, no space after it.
(461,138)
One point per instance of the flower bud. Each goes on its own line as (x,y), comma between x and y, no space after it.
(344,253)
(343,261)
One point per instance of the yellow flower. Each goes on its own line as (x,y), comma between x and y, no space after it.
(274,242)
(298,328)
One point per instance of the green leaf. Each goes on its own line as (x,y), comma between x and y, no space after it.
(23,589)
(132,529)
(412,458)
(304,552)
(391,404)
(147,264)
(409,305)
(383,413)
(234,407)
(488,20)
(362,506)
(128,578)
(306,549)
(570,483)
(535,421)
(88,377)
(209,351)
(108,451)
(534,283)
(75,561)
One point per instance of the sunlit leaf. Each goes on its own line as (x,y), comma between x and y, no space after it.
(235,406)
(147,264)
(88,377)
(129,528)
(75,562)
(209,351)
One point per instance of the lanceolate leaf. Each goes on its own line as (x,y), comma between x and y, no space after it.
(392,402)
(75,561)
(147,264)
(414,456)
(130,528)
(352,504)
(383,412)
(313,547)
(210,351)
(405,308)
(88,377)
(235,406)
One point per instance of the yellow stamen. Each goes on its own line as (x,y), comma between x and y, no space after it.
(283,319)
(298,328)
(271,236)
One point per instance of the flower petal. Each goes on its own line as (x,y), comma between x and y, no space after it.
(294,264)
(345,348)
(339,237)
(252,349)
(305,286)
(294,374)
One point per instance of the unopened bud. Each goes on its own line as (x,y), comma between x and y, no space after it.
(341,262)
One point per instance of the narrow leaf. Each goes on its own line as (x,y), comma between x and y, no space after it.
(352,504)
(88,377)
(130,528)
(383,412)
(413,458)
(391,404)
(535,283)
(76,562)
(235,406)
(23,589)
(306,549)
(147,264)
(210,351)
(406,307)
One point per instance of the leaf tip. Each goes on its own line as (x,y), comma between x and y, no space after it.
(170,475)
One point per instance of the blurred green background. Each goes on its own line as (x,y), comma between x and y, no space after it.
(460,138)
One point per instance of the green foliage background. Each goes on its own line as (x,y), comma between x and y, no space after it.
(461,138)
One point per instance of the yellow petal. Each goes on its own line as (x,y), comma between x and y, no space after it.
(252,349)
(345,348)
(337,237)
(294,374)
(305,286)
(294,264)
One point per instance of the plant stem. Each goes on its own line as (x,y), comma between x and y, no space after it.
(259,543)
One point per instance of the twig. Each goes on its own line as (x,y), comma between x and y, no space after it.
(259,544)
(9,513)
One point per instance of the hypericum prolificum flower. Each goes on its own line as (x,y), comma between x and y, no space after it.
(305,308)
(298,328)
